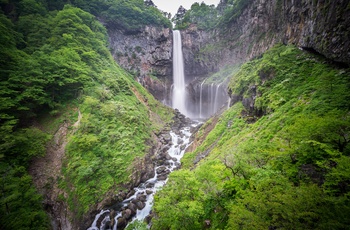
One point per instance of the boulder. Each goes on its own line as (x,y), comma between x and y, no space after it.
(121,223)
(139,204)
(132,207)
(127,214)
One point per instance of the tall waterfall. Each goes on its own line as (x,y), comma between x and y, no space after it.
(195,103)
(179,89)
(200,100)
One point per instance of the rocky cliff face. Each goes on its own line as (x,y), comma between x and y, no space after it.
(194,44)
(318,25)
(146,53)
(321,26)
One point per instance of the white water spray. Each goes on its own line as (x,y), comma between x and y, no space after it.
(212,99)
(216,101)
(200,100)
(228,102)
(179,89)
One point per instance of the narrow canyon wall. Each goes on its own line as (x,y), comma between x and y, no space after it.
(317,25)
(200,53)
(147,53)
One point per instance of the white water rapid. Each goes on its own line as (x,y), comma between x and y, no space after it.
(179,86)
(180,142)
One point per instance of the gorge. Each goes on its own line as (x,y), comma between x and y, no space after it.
(248,100)
(138,204)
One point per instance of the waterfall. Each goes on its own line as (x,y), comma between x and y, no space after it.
(212,99)
(179,89)
(200,100)
(216,101)
(229,102)
(208,102)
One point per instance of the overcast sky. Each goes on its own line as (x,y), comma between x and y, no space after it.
(173,5)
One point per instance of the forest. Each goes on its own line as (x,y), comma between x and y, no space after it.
(277,158)
(54,61)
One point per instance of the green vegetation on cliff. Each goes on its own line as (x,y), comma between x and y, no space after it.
(283,164)
(232,10)
(207,17)
(54,61)
(204,16)
(134,14)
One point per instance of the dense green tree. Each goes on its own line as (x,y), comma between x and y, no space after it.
(204,16)
(134,14)
(20,204)
(54,60)
(180,209)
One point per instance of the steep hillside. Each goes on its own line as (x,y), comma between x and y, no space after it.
(62,93)
(280,161)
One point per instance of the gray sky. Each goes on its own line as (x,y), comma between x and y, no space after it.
(173,5)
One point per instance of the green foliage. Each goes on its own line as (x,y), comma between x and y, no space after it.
(137,225)
(24,144)
(179,209)
(31,7)
(204,16)
(207,17)
(60,66)
(233,10)
(289,168)
(52,65)
(113,132)
(337,180)
(94,7)
(20,204)
(134,14)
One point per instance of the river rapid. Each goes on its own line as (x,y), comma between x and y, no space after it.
(139,205)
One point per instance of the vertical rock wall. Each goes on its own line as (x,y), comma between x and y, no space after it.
(319,25)
(147,53)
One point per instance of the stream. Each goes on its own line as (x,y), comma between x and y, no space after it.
(139,205)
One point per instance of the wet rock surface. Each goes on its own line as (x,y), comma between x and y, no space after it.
(129,204)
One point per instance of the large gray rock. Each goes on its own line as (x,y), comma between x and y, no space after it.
(147,53)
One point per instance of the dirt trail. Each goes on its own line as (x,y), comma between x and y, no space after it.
(46,171)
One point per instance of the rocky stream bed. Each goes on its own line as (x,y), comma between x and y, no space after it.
(137,203)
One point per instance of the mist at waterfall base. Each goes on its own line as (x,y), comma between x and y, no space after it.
(204,100)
